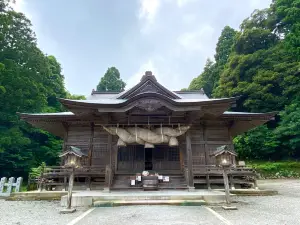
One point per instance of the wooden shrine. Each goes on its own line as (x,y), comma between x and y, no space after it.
(146,128)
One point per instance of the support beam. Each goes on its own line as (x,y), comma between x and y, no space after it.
(206,156)
(189,161)
(91,145)
(90,154)
(66,127)
(109,147)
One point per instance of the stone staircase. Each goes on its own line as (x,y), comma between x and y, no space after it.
(122,182)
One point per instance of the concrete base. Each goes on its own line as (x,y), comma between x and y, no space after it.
(226,207)
(36,195)
(191,189)
(67,211)
(106,190)
(149,202)
(252,192)
(114,198)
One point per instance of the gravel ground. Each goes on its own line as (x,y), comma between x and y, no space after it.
(282,209)
(34,213)
(150,215)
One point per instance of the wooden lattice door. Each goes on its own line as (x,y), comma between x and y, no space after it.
(131,158)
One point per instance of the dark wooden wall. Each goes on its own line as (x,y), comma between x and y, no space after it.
(102,147)
(91,139)
(205,139)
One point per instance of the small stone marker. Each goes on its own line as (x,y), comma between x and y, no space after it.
(10,184)
(11,180)
(2,184)
(18,184)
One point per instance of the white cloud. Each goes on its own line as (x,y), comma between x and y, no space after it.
(148,9)
(134,79)
(181,3)
(147,14)
(257,4)
(196,40)
(189,18)
(21,6)
(162,69)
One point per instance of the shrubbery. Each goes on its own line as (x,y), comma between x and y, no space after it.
(285,169)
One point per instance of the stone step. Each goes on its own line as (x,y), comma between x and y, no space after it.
(147,195)
(149,202)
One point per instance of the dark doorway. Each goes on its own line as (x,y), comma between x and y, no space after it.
(148,159)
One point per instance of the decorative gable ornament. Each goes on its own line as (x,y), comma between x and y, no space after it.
(148,84)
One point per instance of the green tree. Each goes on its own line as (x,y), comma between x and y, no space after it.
(30,81)
(263,66)
(209,78)
(111,81)
(259,143)
(288,131)
(288,24)
(206,80)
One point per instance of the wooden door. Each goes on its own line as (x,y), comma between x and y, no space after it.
(131,158)
(166,158)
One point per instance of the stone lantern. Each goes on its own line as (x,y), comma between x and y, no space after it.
(224,156)
(224,159)
(72,160)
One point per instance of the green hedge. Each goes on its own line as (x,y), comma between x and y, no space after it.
(283,169)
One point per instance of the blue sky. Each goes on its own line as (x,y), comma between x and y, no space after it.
(172,38)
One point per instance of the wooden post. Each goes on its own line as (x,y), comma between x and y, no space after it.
(70,189)
(91,144)
(189,161)
(231,182)
(109,146)
(65,183)
(90,155)
(226,185)
(206,157)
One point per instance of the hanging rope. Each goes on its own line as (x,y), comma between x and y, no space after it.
(117,128)
(136,137)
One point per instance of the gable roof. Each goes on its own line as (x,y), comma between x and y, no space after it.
(148,84)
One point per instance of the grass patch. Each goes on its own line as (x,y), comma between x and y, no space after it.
(281,169)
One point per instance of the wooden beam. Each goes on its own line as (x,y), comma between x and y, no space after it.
(91,144)
(206,154)
(109,147)
(189,160)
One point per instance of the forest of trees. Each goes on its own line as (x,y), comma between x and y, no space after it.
(30,81)
(261,63)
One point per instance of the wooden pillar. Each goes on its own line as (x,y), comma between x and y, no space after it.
(189,161)
(66,126)
(91,145)
(109,147)
(206,157)
(226,186)
(70,189)
(90,154)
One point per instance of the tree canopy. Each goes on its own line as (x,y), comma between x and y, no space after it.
(209,78)
(30,81)
(111,81)
(261,63)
